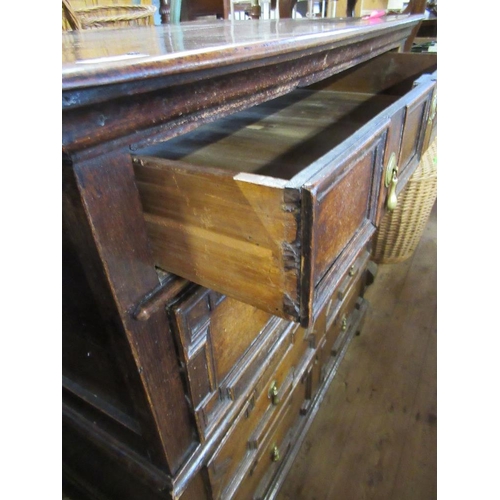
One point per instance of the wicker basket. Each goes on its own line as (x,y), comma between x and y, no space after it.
(400,231)
(110,16)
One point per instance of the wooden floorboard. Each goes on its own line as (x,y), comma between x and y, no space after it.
(375,434)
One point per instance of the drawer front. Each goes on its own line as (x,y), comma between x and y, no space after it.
(243,464)
(341,211)
(270,448)
(336,318)
(343,202)
(414,128)
(407,135)
(261,408)
(214,335)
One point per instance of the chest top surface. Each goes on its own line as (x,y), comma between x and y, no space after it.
(104,57)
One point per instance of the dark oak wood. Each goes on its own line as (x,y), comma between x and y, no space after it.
(174,94)
(195,392)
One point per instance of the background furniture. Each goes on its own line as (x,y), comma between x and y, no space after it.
(77,14)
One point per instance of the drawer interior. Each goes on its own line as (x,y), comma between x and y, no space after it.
(282,137)
(279,138)
(392,73)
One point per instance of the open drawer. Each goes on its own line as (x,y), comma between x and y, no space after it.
(273,204)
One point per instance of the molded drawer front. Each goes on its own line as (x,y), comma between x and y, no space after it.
(410,77)
(263,405)
(224,346)
(269,444)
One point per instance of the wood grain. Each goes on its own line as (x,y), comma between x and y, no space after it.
(221,231)
(116,262)
(129,89)
(219,210)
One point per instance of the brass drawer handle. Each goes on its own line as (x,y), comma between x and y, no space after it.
(275,454)
(391,181)
(343,325)
(433,110)
(352,270)
(273,394)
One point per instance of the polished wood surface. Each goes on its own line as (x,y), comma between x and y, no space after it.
(117,56)
(87,55)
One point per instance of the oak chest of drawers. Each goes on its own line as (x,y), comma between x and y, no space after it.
(221,185)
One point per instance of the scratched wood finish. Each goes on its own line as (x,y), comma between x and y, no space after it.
(146,99)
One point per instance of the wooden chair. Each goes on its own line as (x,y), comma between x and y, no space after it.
(106,16)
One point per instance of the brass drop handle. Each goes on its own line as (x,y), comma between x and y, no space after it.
(391,181)
(392,199)
(343,325)
(433,110)
(275,454)
(273,394)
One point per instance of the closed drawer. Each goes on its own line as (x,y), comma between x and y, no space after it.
(270,443)
(333,324)
(276,380)
(244,461)
(224,346)
(266,205)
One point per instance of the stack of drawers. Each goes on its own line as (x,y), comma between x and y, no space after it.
(257,377)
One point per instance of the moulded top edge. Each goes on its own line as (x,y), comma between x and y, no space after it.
(110,56)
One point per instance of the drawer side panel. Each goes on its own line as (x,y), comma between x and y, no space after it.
(232,234)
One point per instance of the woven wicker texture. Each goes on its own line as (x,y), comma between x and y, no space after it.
(401,230)
(109,16)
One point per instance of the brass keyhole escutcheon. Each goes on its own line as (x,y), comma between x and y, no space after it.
(391,181)
(275,454)
(273,394)
(352,271)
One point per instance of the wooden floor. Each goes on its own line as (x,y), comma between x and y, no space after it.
(374,436)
